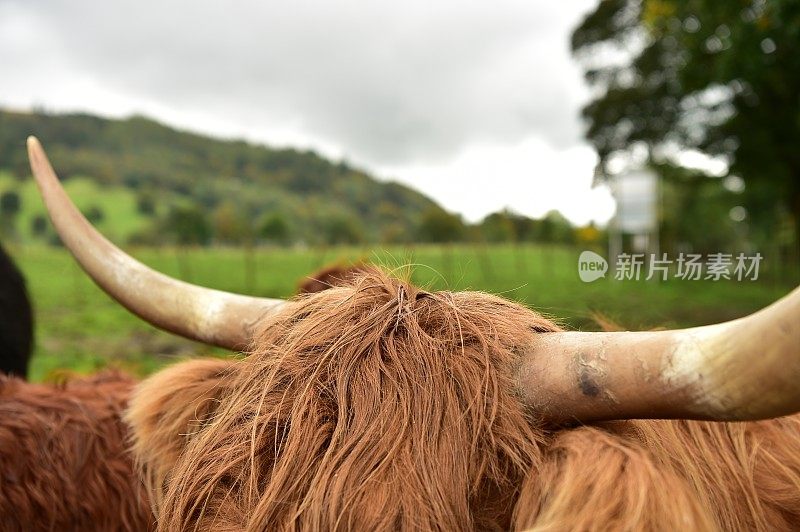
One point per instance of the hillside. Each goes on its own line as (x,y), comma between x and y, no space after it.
(143,181)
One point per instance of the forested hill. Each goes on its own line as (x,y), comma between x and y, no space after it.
(226,191)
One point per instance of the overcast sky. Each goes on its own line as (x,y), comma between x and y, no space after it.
(474,103)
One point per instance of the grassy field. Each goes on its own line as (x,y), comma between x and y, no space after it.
(81,329)
(118,204)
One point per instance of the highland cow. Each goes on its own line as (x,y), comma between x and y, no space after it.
(16,319)
(381,406)
(64,457)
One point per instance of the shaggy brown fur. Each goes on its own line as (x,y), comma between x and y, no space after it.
(170,409)
(384,407)
(63,458)
(330,276)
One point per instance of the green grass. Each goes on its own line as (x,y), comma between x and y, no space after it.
(80,329)
(120,220)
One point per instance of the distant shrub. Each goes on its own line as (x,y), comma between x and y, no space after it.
(39,225)
(187,225)
(145,204)
(10,203)
(94,214)
(439,226)
(274,228)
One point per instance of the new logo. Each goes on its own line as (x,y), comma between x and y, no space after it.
(591,266)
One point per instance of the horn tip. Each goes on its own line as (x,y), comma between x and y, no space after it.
(40,166)
(35,150)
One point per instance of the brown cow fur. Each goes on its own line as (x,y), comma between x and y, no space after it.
(64,462)
(383,407)
(171,408)
(330,276)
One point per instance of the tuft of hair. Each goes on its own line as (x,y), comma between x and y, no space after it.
(167,411)
(368,407)
(64,462)
(330,276)
(380,406)
(667,475)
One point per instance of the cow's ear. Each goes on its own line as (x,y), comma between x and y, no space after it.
(168,409)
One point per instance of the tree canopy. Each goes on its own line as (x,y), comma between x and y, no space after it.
(721,78)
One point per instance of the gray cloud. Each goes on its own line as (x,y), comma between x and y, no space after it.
(386,82)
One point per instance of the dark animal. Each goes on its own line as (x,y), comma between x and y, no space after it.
(16,319)
(381,406)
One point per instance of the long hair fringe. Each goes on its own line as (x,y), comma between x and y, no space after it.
(380,406)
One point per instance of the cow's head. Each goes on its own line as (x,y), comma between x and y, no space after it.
(376,399)
(355,403)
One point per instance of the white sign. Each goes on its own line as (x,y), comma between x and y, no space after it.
(636,193)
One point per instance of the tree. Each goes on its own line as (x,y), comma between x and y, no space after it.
(94,214)
(145,204)
(588,235)
(721,78)
(38,225)
(394,233)
(498,227)
(274,228)
(187,225)
(231,226)
(10,203)
(342,229)
(439,226)
(696,213)
(9,208)
(555,228)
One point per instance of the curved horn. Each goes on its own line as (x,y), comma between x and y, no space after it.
(744,369)
(209,316)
